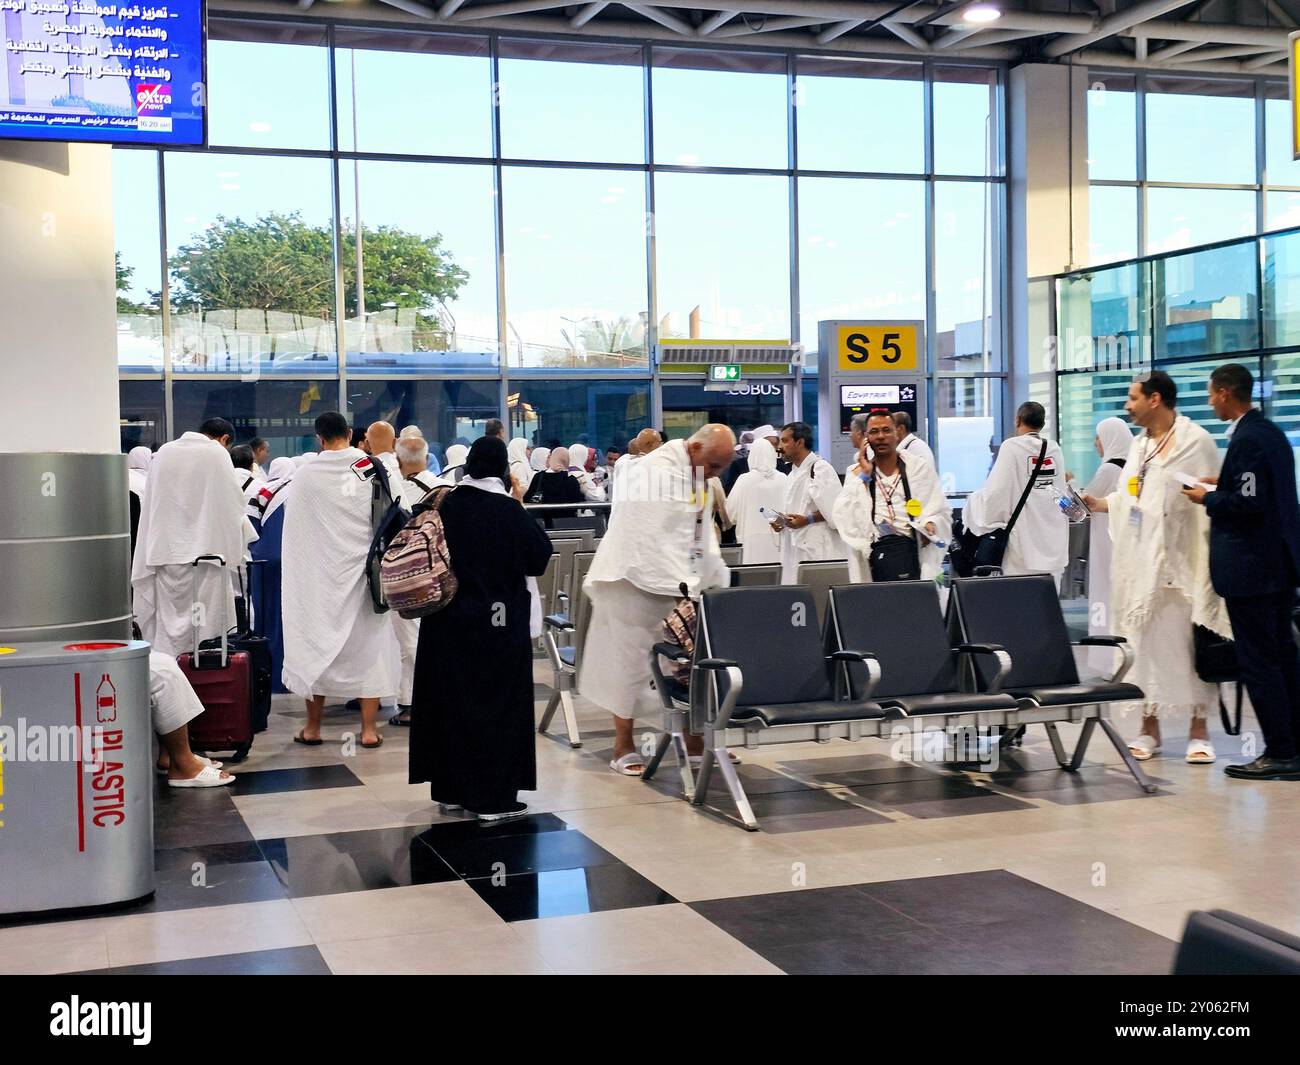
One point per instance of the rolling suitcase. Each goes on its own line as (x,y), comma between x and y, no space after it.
(223,682)
(250,637)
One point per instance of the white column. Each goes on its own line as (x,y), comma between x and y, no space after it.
(1047,194)
(58,329)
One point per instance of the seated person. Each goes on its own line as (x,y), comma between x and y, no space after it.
(174,706)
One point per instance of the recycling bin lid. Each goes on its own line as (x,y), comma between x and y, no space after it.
(58,652)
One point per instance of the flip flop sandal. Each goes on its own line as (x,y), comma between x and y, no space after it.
(1143,747)
(300,738)
(1200,752)
(206,761)
(372,746)
(207,777)
(624,764)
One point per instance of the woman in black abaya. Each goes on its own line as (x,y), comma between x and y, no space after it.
(472,724)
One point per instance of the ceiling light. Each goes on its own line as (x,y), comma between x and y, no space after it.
(982,13)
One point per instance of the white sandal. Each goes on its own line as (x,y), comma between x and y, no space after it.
(208,777)
(1200,752)
(1143,747)
(624,764)
(206,761)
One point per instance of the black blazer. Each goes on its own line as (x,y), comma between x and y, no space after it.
(1254,515)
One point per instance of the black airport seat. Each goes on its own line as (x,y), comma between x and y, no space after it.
(1023,615)
(902,624)
(1219,943)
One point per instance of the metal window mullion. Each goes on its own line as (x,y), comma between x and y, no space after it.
(499,225)
(1261,159)
(792,191)
(169,409)
(340,308)
(651,237)
(1140,132)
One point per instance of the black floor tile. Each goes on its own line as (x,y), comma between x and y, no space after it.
(1091,783)
(288,961)
(512,855)
(196,817)
(859,770)
(562,892)
(987,922)
(941,796)
(757,780)
(220,874)
(354,861)
(792,917)
(469,828)
(303,778)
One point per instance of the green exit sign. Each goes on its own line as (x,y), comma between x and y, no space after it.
(724,371)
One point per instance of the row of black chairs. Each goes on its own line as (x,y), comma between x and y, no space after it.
(765,672)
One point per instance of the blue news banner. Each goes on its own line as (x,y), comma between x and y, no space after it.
(76,70)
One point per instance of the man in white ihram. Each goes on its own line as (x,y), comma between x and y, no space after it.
(335,645)
(192,506)
(1040,539)
(808,530)
(659,539)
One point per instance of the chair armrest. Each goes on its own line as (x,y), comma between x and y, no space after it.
(672,651)
(558,621)
(996,650)
(842,658)
(717,716)
(1117,642)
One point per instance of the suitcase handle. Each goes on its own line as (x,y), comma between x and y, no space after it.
(194,613)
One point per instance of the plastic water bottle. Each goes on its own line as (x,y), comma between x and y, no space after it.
(772,517)
(1069,503)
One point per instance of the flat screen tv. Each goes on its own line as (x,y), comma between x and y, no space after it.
(81,70)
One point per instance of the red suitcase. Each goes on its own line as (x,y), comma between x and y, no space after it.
(223,682)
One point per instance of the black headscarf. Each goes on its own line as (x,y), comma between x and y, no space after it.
(488,458)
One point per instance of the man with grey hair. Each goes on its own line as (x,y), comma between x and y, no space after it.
(857,436)
(658,540)
(909,443)
(412,454)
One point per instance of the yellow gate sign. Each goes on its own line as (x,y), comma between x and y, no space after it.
(1293,52)
(877,347)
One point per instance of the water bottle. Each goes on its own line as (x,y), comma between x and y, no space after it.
(1069,503)
(772,517)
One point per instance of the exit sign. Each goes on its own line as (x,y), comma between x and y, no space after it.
(724,371)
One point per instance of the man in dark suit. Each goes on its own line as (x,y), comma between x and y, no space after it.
(1255,563)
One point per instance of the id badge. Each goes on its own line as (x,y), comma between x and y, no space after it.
(1135,520)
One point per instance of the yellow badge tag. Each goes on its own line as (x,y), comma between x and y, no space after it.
(914,508)
(1133,486)
(8,650)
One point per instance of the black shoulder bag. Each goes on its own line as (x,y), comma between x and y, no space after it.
(992,546)
(1215,660)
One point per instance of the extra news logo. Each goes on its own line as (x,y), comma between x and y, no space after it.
(153,99)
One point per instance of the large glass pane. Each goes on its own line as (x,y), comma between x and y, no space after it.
(1192,379)
(1281,385)
(1112,128)
(567,101)
(575,268)
(281,412)
(1105,319)
(1282,291)
(1280,168)
(417,94)
(1207,302)
(854,114)
(1200,130)
(1112,223)
(687,407)
(138,261)
(965,258)
(1183,218)
(965,121)
(144,420)
(723,253)
(719,109)
(1281,210)
(596,413)
(861,251)
(968,412)
(448,412)
(268,85)
(250,254)
(1084,400)
(428,270)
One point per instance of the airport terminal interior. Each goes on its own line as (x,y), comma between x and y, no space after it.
(684,278)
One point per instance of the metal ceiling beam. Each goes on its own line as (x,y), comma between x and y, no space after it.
(449,8)
(1161,55)
(906,33)
(588,13)
(839,30)
(715,22)
(507,7)
(668,21)
(1113,24)
(1210,33)
(1281,14)
(1265,60)
(1118,61)
(961,39)
(772,25)
(411,8)
(1233,51)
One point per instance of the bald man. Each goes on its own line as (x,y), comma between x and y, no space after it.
(641,445)
(381,442)
(659,539)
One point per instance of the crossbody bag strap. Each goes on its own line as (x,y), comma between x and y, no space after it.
(1024,496)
